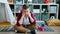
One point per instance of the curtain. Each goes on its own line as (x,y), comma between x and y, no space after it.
(6,13)
(2,13)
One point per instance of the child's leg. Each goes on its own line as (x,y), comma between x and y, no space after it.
(21,29)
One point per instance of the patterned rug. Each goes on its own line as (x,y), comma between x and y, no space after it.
(47,28)
(8,28)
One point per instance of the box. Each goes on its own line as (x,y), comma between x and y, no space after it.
(11,1)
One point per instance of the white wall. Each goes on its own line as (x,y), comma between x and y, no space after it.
(2,13)
(3,1)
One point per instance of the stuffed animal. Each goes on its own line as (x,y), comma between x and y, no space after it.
(53,22)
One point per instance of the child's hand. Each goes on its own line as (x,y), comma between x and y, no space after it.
(23,14)
(29,15)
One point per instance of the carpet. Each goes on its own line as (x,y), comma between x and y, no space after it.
(47,28)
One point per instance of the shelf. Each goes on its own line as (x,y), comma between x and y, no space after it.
(40,10)
(44,16)
(18,8)
(18,1)
(31,8)
(42,4)
(38,2)
(11,3)
(36,11)
(37,16)
(34,1)
(53,9)
(52,14)
(18,4)
(16,12)
(36,8)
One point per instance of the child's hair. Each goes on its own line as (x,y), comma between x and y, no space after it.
(25,6)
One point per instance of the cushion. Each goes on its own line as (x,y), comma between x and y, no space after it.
(6,26)
(53,22)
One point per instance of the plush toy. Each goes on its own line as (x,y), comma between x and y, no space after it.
(53,22)
(47,1)
(41,28)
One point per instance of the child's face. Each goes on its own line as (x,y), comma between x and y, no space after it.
(26,11)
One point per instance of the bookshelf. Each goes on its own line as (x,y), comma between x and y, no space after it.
(40,10)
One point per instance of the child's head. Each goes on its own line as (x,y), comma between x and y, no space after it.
(25,6)
(26,9)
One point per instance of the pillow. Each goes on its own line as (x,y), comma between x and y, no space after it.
(6,26)
(53,22)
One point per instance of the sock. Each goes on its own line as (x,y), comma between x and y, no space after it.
(33,32)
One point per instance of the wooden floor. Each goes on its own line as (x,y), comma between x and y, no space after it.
(37,33)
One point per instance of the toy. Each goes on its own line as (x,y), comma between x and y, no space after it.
(41,28)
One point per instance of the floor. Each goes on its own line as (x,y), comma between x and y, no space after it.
(56,31)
